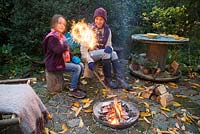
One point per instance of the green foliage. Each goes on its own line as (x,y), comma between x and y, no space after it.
(170,20)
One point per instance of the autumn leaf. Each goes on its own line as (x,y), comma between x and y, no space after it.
(177,125)
(125,90)
(86,105)
(76,104)
(52,132)
(81,124)
(147,121)
(165,109)
(64,127)
(146,104)
(84,82)
(123,96)
(181,96)
(172,85)
(76,110)
(88,111)
(198,123)
(50,116)
(111,96)
(176,104)
(145,114)
(132,92)
(46,131)
(104,91)
(86,100)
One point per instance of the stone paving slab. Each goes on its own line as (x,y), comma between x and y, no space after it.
(59,105)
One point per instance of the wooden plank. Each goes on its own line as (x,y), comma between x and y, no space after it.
(10,81)
(9,122)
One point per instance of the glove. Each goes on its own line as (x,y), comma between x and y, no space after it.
(76,59)
(91,66)
(108,49)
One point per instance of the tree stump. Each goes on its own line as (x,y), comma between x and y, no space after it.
(55,81)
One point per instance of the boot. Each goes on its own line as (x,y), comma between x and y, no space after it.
(107,74)
(117,69)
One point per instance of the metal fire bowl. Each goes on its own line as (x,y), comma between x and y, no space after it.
(132,110)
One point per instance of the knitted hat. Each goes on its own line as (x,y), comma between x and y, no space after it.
(100,12)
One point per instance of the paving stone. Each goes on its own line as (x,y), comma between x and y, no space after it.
(82,130)
(73,122)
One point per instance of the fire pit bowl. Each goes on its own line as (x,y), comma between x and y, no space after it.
(102,113)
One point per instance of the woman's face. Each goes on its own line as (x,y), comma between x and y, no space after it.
(61,25)
(99,21)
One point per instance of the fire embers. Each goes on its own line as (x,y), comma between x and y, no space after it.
(116,113)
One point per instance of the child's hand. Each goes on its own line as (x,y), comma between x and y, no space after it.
(76,59)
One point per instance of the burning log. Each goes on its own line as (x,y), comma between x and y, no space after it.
(116,113)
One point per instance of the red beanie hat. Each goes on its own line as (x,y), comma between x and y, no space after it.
(100,12)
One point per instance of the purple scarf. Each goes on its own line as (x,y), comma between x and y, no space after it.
(102,38)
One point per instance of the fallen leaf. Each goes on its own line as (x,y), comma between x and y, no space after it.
(50,116)
(146,120)
(145,114)
(165,109)
(177,125)
(195,84)
(104,91)
(146,104)
(183,128)
(111,96)
(84,82)
(122,96)
(86,100)
(76,104)
(164,113)
(64,127)
(176,104)
(195,117)
(141,88)
(52,132)
(46,131)
(88,111)
(181,96)
(132,92)
(198,123)
(172,85)
(125,90)
(87,104)
(76,110)
(81,124)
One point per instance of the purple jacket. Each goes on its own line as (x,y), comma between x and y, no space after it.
(53,51)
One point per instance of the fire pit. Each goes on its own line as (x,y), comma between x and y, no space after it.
(115,113)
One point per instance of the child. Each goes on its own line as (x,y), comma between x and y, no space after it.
(57,56)
(104,51)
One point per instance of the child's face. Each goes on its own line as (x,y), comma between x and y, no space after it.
(61,25)
(99,21)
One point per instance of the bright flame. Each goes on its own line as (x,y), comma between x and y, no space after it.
(118,107)
(116,113)
(83,34)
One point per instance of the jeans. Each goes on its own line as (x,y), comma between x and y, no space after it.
(76,70)
(100,54)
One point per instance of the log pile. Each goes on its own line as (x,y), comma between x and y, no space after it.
(159,94)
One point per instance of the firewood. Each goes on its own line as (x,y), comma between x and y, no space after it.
(160,90)
(147,94)
(166,99)
(9,81)
(175,66)
(7,122)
